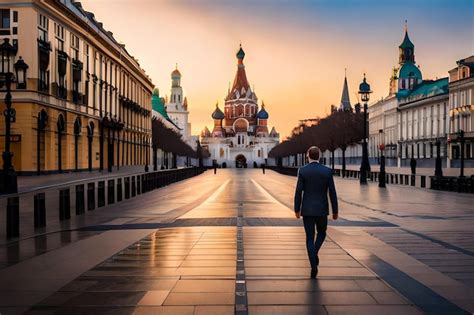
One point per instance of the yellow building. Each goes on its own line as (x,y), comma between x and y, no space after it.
(87,102)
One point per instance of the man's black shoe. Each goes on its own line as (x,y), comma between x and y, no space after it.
(314,273)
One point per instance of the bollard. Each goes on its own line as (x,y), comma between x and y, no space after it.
(134,187)
(40,210)
(127,187)
(90,196)
(139,181)
(423,181)
(13,217)
(119,189)
(110,191)
(412,180)
(80,207)
(101,194)
(64,204)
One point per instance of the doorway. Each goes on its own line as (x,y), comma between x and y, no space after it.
(240,161)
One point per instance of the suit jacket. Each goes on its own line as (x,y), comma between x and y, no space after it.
(311,195)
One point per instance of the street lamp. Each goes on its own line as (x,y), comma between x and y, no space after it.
(438,163)
(364,91)
(382,166)
(8,179)
(461,142)
(20,70)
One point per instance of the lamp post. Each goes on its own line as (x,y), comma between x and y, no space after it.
(382,167)
(364,91)
(8,182)
(461,142)
(438,165)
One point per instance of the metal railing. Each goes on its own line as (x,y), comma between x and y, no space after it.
(50,209)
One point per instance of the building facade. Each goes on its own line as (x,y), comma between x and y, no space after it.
(461,111)
(87,102)
(240,136)
(422,112)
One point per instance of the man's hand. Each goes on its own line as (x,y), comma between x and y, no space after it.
(297,215)
(335,216)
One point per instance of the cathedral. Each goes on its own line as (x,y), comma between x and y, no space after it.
(240,136)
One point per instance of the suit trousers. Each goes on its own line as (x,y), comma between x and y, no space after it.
(312,245)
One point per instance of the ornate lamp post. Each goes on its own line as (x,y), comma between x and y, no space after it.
(364,91)
(8,179)
(461,142)
(382,167)
(438,164)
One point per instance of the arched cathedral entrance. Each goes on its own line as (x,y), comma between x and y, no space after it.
(240,161)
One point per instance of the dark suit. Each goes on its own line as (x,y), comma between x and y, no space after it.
(315,181)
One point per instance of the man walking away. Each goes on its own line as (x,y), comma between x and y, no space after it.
(315,181)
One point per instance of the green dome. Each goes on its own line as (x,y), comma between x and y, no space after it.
(158,104)
(409,70)
(406,42)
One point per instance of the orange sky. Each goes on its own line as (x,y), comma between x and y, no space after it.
(295,53)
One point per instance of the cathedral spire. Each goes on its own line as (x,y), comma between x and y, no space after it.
(407,49)
(345,100)
(240,82)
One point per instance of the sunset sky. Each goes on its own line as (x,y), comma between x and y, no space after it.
(296,51)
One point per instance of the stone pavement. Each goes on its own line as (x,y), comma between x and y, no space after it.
(229,244)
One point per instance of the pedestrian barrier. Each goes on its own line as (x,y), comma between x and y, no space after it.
(13,217)
(64,204)
(90,196)
(39,210)
(127,187)
(110,191)
(134,185)
(80,199)
(119,189)
(101,194)
(458,184)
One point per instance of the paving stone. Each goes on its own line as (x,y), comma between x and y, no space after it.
(200,299)
(205,286)
(310,298)
(286,309)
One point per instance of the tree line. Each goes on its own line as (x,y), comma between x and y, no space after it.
(340,129)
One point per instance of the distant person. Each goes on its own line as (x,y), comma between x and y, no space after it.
(215,168)
(263,168)
(315,181)
(413,166)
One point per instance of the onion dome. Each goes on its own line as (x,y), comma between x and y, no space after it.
(406,42)
(410,70)
(217,114)
(262,113)
(240,54)
(176,73)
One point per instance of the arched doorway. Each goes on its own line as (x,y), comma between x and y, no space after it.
(240,161)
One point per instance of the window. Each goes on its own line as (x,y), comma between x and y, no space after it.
(15,16)
(75,46)
(43,23)
(59,33)
(5,16)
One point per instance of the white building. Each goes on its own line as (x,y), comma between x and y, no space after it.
(177,109)
(240,136)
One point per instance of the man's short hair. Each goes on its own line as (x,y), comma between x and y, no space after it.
(313,153)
